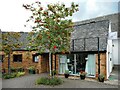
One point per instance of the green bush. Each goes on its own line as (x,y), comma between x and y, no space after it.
(13,75)
(49,81)
(8,76)
(31,70)
(20,69)
(20,74)
(13,69)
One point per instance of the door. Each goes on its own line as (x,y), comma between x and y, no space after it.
(80,62)
(90,65)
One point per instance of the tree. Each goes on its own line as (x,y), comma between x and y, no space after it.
(51,30)
(10,42)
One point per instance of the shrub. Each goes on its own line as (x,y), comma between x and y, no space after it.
(31,70)
(66,72)
(13,69)
(8,76)
(13,75)
(49,81)
(20,74)
(83,73)
(20,69)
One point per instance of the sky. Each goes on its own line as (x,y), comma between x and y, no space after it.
(13,16)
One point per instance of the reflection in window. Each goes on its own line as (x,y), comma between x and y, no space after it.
(72,62)
(35,58)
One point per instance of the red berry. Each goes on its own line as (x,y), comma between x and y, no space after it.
(41,8)
(55,47)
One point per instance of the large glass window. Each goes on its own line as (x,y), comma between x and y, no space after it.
(72,62)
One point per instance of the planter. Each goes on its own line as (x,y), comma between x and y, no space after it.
(101,79)
(82,77)
(66,75)
(31,71)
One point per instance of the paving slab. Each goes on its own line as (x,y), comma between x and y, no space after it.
(28,81)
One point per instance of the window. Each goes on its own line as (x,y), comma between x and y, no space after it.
(1,58)
(72,62)
(17,58)
(35,58)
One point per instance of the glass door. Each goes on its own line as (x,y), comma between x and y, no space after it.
(71,63)
(80,62)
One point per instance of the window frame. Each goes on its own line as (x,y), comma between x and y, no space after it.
(33,58)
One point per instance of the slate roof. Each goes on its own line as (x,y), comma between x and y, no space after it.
(87,31)
(85,36)
(22,39)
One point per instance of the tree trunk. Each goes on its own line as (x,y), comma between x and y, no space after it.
(50,62)
(9,63)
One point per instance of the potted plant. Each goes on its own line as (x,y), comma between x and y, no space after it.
(82,75)
(66,74)
(101,78)
(31,70)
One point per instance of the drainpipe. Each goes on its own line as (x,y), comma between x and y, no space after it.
(98,58)
(75,62)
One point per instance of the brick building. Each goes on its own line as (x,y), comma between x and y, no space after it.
(87,38)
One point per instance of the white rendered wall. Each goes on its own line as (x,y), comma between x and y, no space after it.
(115,44)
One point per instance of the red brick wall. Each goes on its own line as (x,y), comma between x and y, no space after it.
(27,60)
(102,64)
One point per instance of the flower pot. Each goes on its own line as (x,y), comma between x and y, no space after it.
(66,75)
(101,79)
(31,71)
(82,77)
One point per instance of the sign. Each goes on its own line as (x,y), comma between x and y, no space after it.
(112,35)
